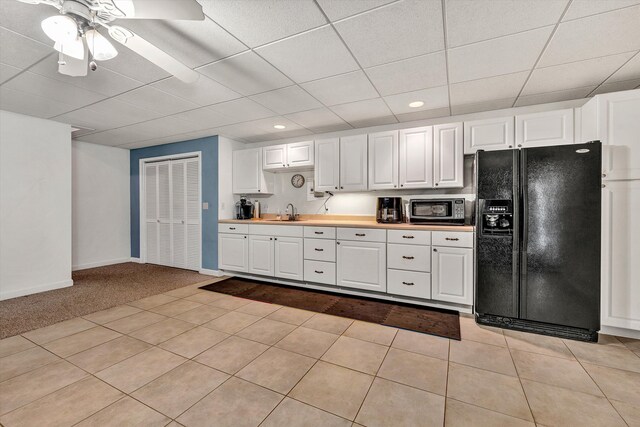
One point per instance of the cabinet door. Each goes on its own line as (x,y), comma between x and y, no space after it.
(544,129)
(448,155)
(452,275)
(289,258)
(247,168)
(488,134)
(261,255)
(233,252)
(274,157)
(362,265)
(383,160)
(353,163)
(416,157)
(620,254)
(327,168)
(619,131)
(300,154)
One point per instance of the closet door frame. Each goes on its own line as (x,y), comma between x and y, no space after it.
(143,197)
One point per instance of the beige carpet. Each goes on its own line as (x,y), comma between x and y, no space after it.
(93,290)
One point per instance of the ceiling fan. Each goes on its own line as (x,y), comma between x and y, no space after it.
(74,31)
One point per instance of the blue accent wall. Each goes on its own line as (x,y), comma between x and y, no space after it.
(209,148)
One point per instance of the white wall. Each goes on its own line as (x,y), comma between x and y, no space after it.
(101,215)
(226,200)
(35,205)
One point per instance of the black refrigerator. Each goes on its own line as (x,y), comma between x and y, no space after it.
(538,239)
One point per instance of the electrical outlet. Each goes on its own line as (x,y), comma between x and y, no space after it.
(205,206)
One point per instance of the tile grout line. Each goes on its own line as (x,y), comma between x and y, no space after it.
(515,367)
(611,75)
(446,50)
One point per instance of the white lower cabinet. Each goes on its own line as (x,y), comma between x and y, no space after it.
(362,265)
(288,258)
(261,255)
(409,283)
(320,272)
(233,250)
(408,257)
(452,274)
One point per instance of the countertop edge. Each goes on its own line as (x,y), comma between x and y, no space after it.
(353,224)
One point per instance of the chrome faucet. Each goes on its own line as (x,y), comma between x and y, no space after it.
(292,214)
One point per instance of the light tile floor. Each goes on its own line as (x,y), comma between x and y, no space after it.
(196,358)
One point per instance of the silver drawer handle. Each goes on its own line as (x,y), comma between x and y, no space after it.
(319,271)
(319,249)
(451,238)
(360,234)
(407,237)
(407,257)
(319,232)
(408,283)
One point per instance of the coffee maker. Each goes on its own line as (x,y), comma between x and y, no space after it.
(389,210)
(244,209)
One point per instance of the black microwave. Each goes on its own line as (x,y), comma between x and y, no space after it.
(437,211)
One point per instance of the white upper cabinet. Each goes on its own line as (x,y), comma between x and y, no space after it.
(274,157)
(300,154)
(248,176)
(327,170)
(383,160)
(416,157)
(353,163)
(544,129)
(448,155)
(488,134)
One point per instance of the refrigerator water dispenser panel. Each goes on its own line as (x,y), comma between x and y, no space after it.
(497,217)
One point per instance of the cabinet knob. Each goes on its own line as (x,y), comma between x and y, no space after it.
(510,146)
(244,237)
(604,175)
(275,238)
(435,250)
(436,184)
(341,187)
(336,188)
(394,186)
(270,238)
(259,190)
(408,283)
(401,185)
(519,145)
(337,243)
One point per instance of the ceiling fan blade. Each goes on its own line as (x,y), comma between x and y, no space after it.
(74,67)
(161,9)
(153,54)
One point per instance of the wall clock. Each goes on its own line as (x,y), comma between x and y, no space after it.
(297,180)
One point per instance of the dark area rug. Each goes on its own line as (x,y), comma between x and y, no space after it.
(434,321)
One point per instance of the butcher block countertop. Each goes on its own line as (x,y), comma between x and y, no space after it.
(346,221)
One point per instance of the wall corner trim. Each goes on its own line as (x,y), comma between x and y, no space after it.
(208,272)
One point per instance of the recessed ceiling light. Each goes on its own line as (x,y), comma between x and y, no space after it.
(416,104)
(279,126)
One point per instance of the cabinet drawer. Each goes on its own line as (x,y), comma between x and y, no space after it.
(276,230)
(409,257)
(409,237)
(320,249)
(452,238)
(363,234)
(320,272)
(320,232)
(233,228)
(409,283)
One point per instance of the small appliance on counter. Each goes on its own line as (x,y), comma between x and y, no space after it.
(436,211)
(244,208)
(389,210)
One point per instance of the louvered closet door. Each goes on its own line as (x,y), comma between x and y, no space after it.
(178,202)
(165,256)
(192,215)
(151,211)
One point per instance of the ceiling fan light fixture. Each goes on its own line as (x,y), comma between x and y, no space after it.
(73,48)
(101,48)
(60,28)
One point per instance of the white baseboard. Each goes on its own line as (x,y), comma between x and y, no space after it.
(208,272)
(35,289)
(99,264)
(137,260)
(620,332)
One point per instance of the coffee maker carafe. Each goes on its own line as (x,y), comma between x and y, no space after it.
(389,210)
(244,208)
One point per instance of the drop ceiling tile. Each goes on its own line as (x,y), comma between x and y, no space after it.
(246,73)
(420,72)
(591,72)
(52,89)
(311,55)
(350,87)
(629,71)
(114,137)
(109,114)
(25,19)
(378,121)
(29,104)
(437,97)
(133,65)
(7,71)
(104,81)
(161,127)
(362,110)
(424,114)
(594,36)
(149,98)
(319,120)
(397,31)
(339,9)
(194,43)
(266,125)
(582,8)
(204,118)
(470,21)
(238,131)
(256,22)
(498,104)
(561,95)
(203,91)
(287,100)
(617,86)
(85,118)
(242,110)
(491,88)
(280,135)
(20,51)
(504,55)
